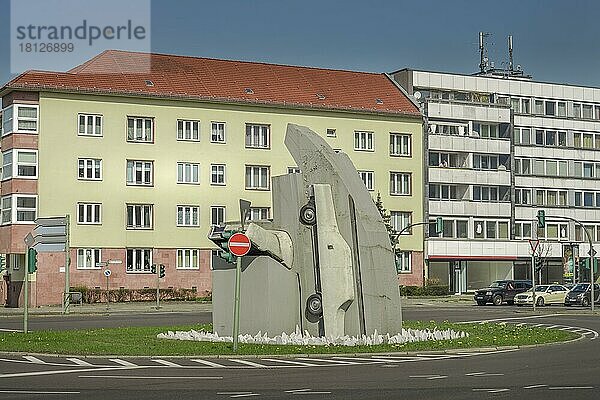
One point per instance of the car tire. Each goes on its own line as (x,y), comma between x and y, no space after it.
(497,300)
(585,302)
(314,305)
(308,214)
(540,302)
(481,303)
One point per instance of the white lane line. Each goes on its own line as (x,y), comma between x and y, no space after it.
(9,330)
(311,393)
(569,387)
(400,359)
(491,390)
(477,374)
(35,392)
(289,362)
(553,326)
(327,360)
(208,363)
(122,362)
(80,362)
(423,376)
(372,359)
(232,393)
(534,386)
(298,390)
(34,360)
(166,363)
(146,377)
(64,371)
(249,363)
(244,395)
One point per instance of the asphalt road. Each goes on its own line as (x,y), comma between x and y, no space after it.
(548,372)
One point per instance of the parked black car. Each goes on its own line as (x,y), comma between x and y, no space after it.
(581,294)
(501,291)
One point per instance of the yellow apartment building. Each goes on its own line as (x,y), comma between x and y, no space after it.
(145,161)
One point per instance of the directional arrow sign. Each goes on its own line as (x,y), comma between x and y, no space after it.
(49,247)
(52,221)
(49,230)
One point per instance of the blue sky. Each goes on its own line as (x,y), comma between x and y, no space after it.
(554,40)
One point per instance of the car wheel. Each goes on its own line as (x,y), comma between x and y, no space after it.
(481,303)
(497,300)
(314,304)
(585,302)
(308,214)
(540,302)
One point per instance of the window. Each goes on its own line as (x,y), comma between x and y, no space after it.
(403,262)
(462,229)
(258,213)
(368,178)
(363,141)
(90,125)
(139,172)
(400,144)
(217,215)
(539,107)
(550,107)
(139,216)
(188,173)
(140,129)
(443,192)
(258,136)
(400,220)
(577,110)
(188,258)
(188,130)
(257,177)
(24,167)
(485,162)
(562,109)
(188,216)
(88,213)
(523,230)
(522,136)
(400,183)
(588,112)
(88,258)
(523,196)
(331,133)
(89,168)
(24,212)
(217,174)
(139,260)
(19,118)
(217,132)
(485,193)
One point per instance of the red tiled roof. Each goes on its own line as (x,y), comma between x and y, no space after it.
(122,72)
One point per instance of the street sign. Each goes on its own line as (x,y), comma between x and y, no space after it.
(592,252)
(29,240)
(239,244)
(52,221)
(534,243)
(49,235)
(107,273)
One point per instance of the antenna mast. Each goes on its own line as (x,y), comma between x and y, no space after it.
(483,64)
(510,53)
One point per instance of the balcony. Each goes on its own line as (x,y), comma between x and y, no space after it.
(486,249)
(469,208)
(469,176)
(468,144)
(485,113)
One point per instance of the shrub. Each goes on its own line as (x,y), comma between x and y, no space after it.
(437,290)
(122,295)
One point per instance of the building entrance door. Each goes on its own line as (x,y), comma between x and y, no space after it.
(459,276)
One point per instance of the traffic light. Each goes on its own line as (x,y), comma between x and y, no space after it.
(32,261)
(541,217)
(2,263)
(220,236)
(439,225)
(585,262)
(161,271)
(153,268)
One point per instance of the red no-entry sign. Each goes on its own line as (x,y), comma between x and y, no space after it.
(239,244)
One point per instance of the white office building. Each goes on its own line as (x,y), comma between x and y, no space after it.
(500,147)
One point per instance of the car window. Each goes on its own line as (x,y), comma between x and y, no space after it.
(557,288)
(521,285)
(541,288)
(580,287)
(498,284)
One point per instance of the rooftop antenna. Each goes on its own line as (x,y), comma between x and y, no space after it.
(483,64)
(510,53)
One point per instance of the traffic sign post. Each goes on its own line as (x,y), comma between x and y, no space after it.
(107,273)
(26,293)
(239,245)
(533,243)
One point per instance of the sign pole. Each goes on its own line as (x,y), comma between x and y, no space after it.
(236,307)
(26,292)
(107,293)
(157,287)
(533,277)
(67,298)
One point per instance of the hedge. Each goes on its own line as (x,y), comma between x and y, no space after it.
(437,290)
(93,295)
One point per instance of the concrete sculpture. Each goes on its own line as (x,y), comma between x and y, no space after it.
(323,263)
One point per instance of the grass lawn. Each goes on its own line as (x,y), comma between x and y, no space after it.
(142,341)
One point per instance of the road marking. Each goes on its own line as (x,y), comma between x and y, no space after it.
(491,390)
(553,326)
(569,387)
(327,360)
(35,392)
(34,360)
(208,363)
(122,362)
(483,374)
(146,377)
(63,371)
(399,359)
(372,359)
(294,393)
(298,390)
(9,330)
(483,321)
(429,376)
(290,362)
(80,362)
(166,363)
(249,363)
(244,395)
(534,386)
